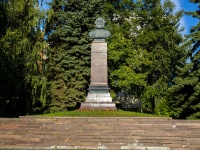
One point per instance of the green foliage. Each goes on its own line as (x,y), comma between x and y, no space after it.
(163,108)
(146,55)
(144,49)
(18,36)
(35,80)
(185,93)
(161,38)
(126,62)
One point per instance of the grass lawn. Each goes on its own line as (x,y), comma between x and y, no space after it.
(118,113)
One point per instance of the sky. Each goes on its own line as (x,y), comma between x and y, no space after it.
(186,21)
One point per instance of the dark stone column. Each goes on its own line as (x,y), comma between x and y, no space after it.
(98,97)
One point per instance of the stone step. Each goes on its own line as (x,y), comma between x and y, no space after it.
(98,133)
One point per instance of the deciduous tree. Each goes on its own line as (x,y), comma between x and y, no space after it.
(19,25)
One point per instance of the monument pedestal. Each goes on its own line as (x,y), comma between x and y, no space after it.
(98,97)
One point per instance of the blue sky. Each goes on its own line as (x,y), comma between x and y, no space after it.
(186,21)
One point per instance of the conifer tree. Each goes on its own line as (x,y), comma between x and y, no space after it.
(70,21)
(185,93)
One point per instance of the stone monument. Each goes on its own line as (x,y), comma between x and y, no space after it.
(98,97)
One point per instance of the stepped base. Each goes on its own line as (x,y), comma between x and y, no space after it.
(98,98)
(111,133)
(98,106)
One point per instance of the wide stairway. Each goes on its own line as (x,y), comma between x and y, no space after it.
(137,133)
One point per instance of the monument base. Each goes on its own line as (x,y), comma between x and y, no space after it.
(98,98)
(98,106)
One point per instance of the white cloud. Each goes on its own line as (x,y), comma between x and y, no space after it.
(178,7)
(177,4)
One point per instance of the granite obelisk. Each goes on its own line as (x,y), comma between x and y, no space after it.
(98,97)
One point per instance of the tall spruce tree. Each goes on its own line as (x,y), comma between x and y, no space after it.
(70,21)
(185,93)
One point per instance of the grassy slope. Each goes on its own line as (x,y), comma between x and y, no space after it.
(118,113)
